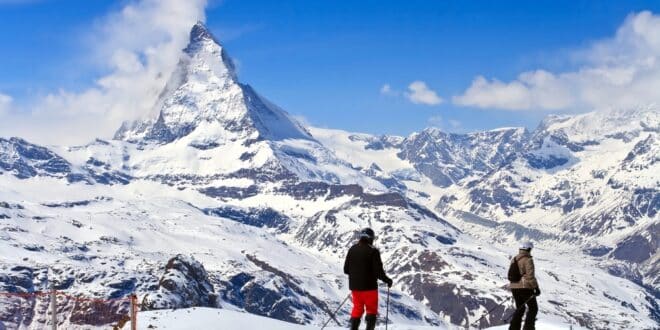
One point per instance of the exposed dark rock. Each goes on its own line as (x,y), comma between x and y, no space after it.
(98,163)
(68,204)
(598,251)
(497,196)
(19,279)
(109,177)
(98,313)
(266,217)
(25,160)
(231,192)
(122,287)
(247,156)
(641,148)
(184,284)
(205,145)
(315,190)
(289,301)
(572,204)
(6,205)
(547,162)
(640,247)
(624,136)
(453,301)
(17,311)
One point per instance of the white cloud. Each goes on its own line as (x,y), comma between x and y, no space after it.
(5,103)
(419,93)
(622,71)
(455,123)
(139,45)
(302,120)
(435,121)
(386,90)
(449,125)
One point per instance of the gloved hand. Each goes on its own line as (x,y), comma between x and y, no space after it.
(389,282)
(537,292)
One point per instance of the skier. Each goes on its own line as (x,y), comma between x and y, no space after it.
(524,287)
(364,268)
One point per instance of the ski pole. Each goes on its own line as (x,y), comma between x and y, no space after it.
(489,311)
(387,308)
(508,319)
(332,316)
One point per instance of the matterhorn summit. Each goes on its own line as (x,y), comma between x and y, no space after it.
(204,92)
(209,123)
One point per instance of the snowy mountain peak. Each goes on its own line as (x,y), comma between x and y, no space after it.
(203,43)
(204,91)
(200,32)
(604,121)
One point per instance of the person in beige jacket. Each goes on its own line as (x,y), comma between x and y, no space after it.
(525,290)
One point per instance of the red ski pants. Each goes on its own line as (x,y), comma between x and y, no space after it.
(362,299)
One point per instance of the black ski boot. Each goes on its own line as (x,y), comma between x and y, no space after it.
(371,321)
(355,323)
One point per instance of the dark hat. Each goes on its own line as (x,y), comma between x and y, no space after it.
(367,233)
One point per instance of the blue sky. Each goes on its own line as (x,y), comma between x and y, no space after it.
(327,61)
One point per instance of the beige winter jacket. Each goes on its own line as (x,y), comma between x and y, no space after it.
(526,266)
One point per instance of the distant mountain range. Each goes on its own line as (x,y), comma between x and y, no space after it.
(223,200)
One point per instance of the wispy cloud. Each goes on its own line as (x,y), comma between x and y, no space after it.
(448,125)
(435,121)
(622,71)
(387,90)
(139,45)
(420,93)
(417,92)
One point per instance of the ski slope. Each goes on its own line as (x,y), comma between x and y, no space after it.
(224,319)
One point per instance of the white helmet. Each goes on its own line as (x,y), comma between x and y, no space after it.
(528,245)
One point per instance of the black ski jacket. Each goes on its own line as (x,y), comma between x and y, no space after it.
(364,268)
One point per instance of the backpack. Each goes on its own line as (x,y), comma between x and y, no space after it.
(514,272)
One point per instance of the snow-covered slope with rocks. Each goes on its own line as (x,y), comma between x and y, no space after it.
(591,179)
(587,185)
(223,200)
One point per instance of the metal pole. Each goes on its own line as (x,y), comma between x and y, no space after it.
(134,312)
(332,316)
(387,308)
(53,308)
(508,319)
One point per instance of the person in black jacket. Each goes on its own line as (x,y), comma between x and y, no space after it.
(364,268)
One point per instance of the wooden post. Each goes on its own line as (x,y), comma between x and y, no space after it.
(53,308)
(134,310)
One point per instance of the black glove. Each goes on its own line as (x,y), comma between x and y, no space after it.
(389,282)
(537,292)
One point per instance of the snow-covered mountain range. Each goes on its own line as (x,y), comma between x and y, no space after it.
(223,200)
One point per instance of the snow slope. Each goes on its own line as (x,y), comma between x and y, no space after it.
(206,318)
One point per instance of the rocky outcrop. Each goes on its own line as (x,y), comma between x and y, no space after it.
(184,284)
(25,160)
(447,158)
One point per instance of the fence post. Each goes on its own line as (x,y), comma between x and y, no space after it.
(53,308)
(134,310)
